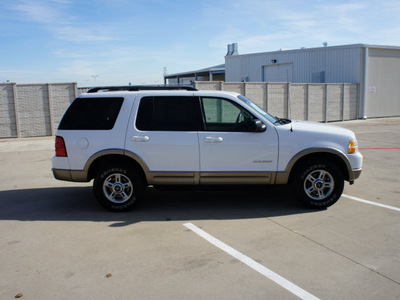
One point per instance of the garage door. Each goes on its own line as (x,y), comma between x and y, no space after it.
(278,73)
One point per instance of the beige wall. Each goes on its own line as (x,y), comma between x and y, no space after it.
(322,102)
(29,110)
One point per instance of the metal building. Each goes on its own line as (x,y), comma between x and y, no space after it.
(214,73)
(375,68)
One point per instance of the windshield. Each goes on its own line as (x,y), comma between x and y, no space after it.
(258,109)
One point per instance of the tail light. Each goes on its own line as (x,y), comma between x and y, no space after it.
(60,147)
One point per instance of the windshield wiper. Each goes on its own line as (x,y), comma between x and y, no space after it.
(282,121)
(278,120)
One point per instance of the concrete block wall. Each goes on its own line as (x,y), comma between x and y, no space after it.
(319,102)
(30,110)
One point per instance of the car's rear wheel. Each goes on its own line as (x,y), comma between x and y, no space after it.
(118,188)
(318,184)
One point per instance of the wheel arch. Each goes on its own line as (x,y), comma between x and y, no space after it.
(332,155)
(115,156)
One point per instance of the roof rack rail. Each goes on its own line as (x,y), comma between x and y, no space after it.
(135,88)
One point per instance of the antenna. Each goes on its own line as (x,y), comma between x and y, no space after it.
(288,96)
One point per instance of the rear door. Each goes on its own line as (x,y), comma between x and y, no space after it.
(164,135)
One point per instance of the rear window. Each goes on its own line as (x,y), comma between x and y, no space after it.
(91,114)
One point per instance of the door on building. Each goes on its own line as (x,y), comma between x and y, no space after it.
(278,73)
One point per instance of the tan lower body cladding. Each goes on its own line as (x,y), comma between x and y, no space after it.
(192,178)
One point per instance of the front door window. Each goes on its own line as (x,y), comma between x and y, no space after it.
(224,115)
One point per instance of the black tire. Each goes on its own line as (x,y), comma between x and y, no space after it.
(318,184)
(117,187)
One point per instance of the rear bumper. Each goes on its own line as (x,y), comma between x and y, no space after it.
(70,175)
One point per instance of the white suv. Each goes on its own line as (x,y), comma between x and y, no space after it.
(126,138)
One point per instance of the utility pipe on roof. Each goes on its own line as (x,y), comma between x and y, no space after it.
(365,94)
(229,50)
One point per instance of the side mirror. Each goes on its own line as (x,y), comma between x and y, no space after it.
(259,126)
(251,126)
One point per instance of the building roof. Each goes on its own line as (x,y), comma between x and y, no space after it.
(319,48)
(218,69)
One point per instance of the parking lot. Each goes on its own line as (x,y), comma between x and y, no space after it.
(56,242)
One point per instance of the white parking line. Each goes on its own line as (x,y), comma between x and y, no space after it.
(372,203)
(291,287)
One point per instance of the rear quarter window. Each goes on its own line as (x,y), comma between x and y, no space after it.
(91,114)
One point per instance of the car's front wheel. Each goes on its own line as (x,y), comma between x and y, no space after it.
(318,184)
(118,188)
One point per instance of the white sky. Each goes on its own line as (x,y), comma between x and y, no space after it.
(125,41)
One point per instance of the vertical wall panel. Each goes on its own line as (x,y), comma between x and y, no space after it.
(277,99)
(61,97)
(256,92)
(316,97)
(350,101)
(334,101)
(8,126)
(208,85)
(84,90)
(298,101)
(34,110)
(237,87)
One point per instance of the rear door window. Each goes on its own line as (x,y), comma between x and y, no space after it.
(169,113)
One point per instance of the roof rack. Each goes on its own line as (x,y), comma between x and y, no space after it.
(135,88)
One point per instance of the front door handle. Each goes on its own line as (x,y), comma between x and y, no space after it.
(211,139)
(138,138)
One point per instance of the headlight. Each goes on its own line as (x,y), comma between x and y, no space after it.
(353,146)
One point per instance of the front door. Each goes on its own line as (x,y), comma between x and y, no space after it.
(229,153)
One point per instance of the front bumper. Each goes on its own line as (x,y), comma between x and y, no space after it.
(354,175)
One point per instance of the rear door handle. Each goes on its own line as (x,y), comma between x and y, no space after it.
(138,138)
(211,139)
